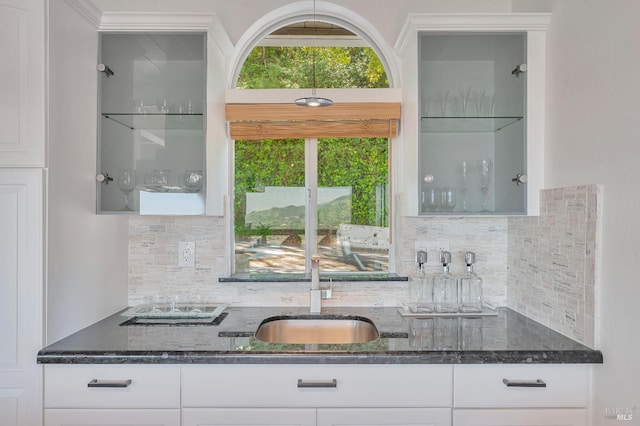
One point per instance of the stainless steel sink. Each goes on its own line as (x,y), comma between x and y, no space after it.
(315,329)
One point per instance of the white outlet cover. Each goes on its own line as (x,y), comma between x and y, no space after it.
(187,254)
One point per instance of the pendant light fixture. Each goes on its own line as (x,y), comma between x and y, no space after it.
(313,100)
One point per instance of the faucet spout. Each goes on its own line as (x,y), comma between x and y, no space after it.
(316,293)
(315,272)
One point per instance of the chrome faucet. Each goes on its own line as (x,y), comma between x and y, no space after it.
(317,294)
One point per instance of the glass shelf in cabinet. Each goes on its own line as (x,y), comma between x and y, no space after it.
(165,121)
(466,124)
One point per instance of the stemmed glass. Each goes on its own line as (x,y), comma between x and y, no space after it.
(463,184)
(448,199)
(126,180)
(432,199)
(485,172)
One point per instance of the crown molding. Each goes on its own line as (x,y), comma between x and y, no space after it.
(468,22)
(155,21)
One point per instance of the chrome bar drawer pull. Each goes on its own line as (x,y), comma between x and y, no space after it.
(95,383)
(538,383)
(333,383)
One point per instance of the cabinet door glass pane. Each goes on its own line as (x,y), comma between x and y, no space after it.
(152,105)
(472,108)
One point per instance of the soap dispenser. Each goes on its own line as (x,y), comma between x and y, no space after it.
(420,291)
(470,287)
(445,287)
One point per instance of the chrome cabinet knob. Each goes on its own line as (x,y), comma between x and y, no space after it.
(519,179)
(104,178)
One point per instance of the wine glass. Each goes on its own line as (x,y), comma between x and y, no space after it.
(448,199)
(192,180)
(485,172)
(432,199)
(126,180)
(464,181)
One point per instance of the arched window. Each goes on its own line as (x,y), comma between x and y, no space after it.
(312,180)
(312,54)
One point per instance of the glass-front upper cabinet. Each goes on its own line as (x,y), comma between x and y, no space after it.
(472,148)
(151,153)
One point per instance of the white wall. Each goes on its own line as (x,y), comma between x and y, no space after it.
(87,254)
(592,137)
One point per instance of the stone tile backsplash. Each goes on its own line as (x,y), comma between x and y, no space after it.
(552,261)
(485,236)
(542,267)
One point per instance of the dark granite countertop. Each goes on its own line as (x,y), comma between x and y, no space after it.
(506,338)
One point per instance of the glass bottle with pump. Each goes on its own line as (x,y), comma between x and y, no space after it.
(420,289)
(470,287)
(445,287)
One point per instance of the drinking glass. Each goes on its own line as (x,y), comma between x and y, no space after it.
(445,333)
(155,303)
(432,199)
(448,199)
(443,99)
(174,304)
(464,181)
(126,180)
(465,97)
(421,333)
(196,304)
(485,172)
(163,106)
(192,180)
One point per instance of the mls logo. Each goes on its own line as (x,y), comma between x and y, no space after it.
(622,414)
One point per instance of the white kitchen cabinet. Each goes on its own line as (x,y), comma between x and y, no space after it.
(318,395)
(520,417)
(319,417)
(470,98)
(514,395)
(21,294)
(249,416)
(472,123)
(342,385)
(102,417)
(22,104)
(384,416)
(322,395)
(151,155)
(140,395)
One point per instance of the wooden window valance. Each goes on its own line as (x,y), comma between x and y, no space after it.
(341,120)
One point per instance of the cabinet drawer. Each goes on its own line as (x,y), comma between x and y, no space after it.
(110,417)
(531,386)
(317,386)
(68,386)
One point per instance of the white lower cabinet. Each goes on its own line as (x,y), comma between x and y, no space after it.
(112,395)
(111,417)
(520,395)
(249,416)
(316,395)
(384,416)
(520,417)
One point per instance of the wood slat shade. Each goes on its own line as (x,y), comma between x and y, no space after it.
(276,121)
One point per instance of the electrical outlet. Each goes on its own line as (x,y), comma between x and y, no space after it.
(433,249)
(187,254)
